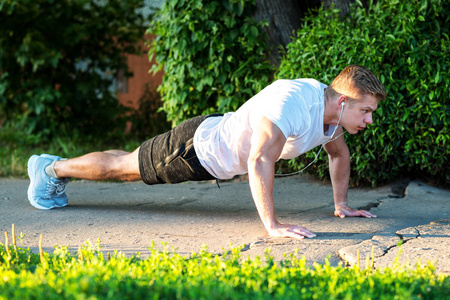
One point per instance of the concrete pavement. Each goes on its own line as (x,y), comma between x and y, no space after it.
(128,217)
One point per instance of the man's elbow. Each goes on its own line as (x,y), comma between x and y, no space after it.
(254,161)
(258,162)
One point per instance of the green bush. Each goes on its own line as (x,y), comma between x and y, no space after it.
(58,61)
(212,53)
(164,275)
(406,44)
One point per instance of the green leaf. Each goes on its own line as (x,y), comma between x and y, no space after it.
(239,8)
(414,36)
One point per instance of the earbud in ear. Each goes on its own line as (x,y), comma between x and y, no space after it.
(343,103)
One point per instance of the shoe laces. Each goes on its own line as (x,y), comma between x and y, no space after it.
(60,188)
(51,187)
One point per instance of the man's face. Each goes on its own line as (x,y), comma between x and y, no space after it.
(358,113)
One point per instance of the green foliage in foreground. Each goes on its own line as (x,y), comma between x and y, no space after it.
(165,275)
(407,45)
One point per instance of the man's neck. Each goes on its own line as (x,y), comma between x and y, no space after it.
(329,113)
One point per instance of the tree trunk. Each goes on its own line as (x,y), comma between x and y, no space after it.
(285,17)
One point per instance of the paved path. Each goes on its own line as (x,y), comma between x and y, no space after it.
(130,216)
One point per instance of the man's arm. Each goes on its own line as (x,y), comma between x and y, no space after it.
(267,143)
(339,160)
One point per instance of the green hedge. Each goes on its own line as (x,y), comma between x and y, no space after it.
(58,62)
(165,275)
(212,54)
(406,44)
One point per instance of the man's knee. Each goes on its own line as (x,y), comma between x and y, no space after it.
(125,167)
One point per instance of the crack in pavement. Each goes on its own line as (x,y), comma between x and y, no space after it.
(371,205)
(402,241)
(402,238)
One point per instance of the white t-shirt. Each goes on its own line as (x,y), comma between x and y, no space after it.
(296,106)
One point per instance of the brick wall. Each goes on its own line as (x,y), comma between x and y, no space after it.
(135,86)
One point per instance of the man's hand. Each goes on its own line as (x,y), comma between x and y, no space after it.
(345,211)
(291,231)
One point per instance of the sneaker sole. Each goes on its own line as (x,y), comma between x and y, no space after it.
(31,186)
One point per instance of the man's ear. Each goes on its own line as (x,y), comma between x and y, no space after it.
(341,101)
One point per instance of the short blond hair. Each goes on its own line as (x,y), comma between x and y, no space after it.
(355,81)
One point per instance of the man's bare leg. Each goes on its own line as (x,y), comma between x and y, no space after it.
(117,152)
(109,165)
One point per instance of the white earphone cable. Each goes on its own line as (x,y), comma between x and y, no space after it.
(321,147)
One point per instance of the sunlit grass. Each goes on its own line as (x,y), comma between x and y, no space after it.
(92,274)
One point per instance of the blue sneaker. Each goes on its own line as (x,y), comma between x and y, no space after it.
(41,185)
(59,195)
